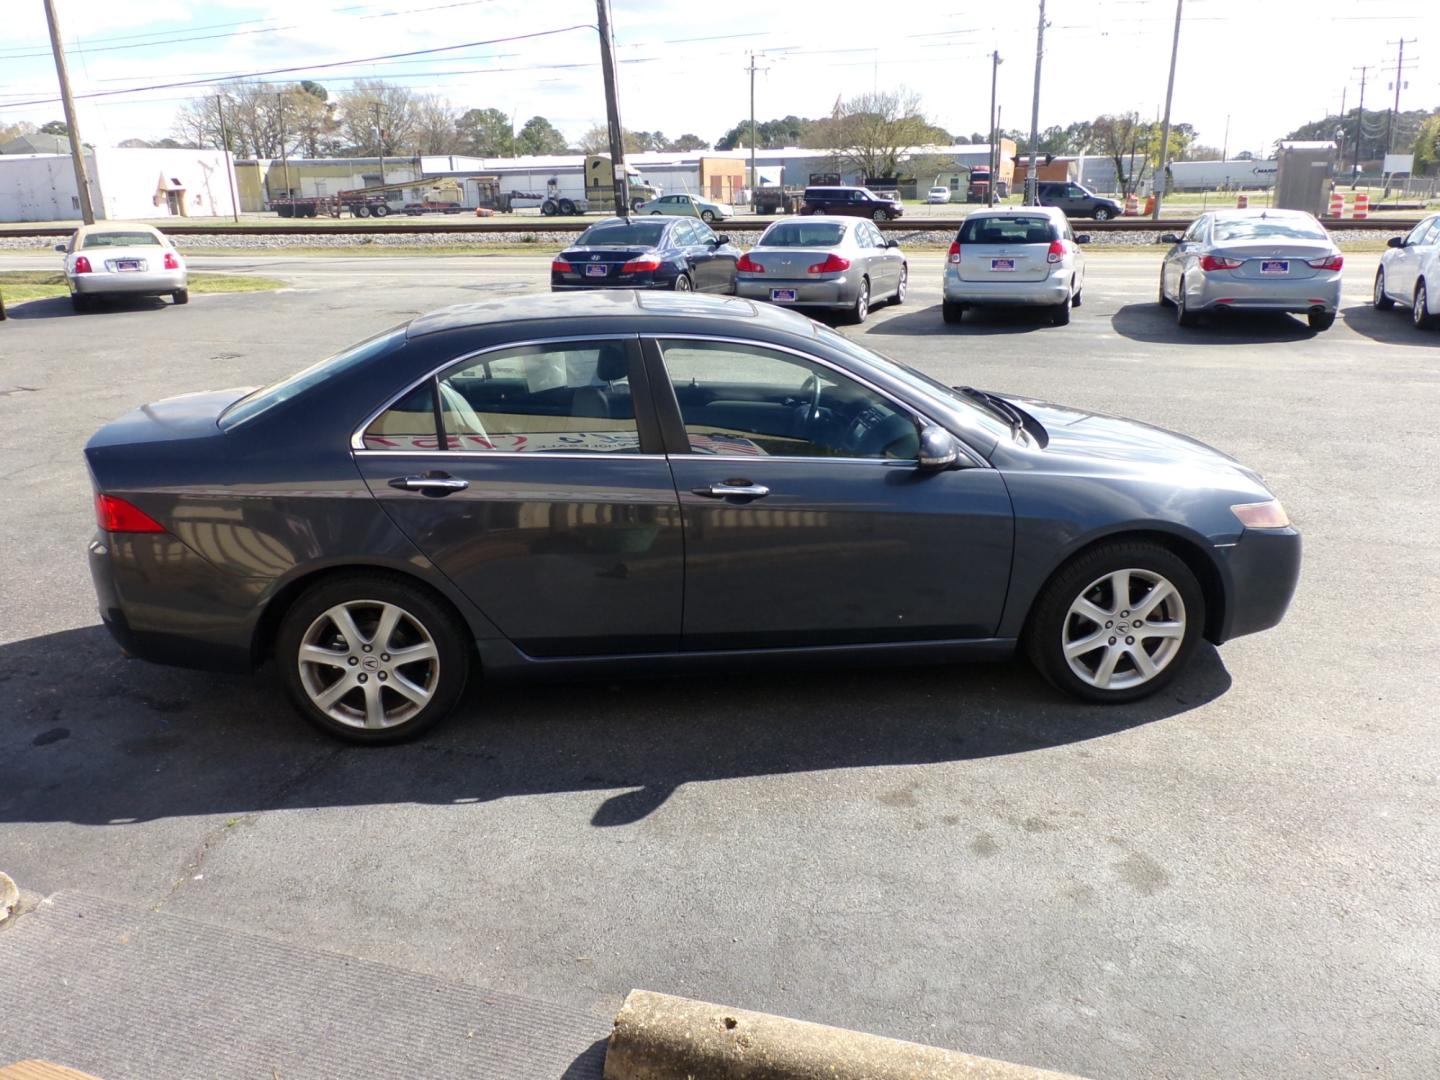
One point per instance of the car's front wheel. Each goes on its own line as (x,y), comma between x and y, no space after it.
(707,216)
(1117,623)
(904,286)
(1382,299)
(372,658)
(881,215)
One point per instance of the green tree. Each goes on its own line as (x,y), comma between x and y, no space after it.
(769,134)
(485,132)
(539,136)
(55,127)
(1427,146)
(687,142)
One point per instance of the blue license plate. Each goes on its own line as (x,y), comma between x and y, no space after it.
(783,296)
(128,264)
(596,270)
(1275,266)
(1002,264)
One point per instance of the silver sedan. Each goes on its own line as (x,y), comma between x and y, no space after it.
(1253,260)
(113,259)
(826,262)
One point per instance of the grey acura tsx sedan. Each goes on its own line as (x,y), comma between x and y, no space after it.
(632,481)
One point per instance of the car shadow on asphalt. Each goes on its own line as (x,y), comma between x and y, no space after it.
(95,738)
(59,307)
(1391,327)
(976,322)
(1152,323)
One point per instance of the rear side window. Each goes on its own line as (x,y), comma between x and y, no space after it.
(1007,230)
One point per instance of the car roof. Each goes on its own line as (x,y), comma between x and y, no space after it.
(1052,212)
(585,306)
(1261,212)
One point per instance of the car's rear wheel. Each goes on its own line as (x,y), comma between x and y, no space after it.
(1183,315)
(881,215)
(707,216)
(683,283)
(79,302)
(1382,299)
(1102,213)
(951,312)
(181,296)
(372,658)
(1165,301)
(1060,313)
(1117,623)
(1420,308)
(654,213)
(1321,320)
(861,308)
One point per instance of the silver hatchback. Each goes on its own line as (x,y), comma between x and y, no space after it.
(829,262)
(1253,260)
(1022,256)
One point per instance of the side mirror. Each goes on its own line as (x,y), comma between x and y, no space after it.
(1394,241)
(1083,238)
(938,449)
(59,247)
(892,243)
(1169,238)
(722,238)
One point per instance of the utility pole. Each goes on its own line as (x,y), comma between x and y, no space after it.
(284,154)
(1165,127)
(1032,184)
(621,180)
(1225,146)
(995,63)
(1399,75)
(1359,132)
(72,128)
(229,159)
(379,140)
(754,179)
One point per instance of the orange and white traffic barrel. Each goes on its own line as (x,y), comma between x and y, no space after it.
(1242,202)
(1132,205)
(1337,205)
(1362,206)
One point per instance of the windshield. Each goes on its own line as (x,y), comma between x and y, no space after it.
(1007,230)
(1261,228)
(959,403)
(120,239)
(627,234)
(802,234)
(266,398)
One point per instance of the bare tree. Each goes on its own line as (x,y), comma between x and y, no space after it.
(434,126)
(370,100)
(872,132)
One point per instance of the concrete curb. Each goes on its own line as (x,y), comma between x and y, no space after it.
(659,1037)
(9,896)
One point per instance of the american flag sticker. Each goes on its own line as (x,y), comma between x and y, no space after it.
(718,442)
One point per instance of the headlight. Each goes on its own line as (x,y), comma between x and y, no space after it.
(1262,515)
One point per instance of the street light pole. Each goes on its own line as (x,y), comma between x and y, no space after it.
(621,180)
(72,127)
(995,63)
(1165,128)
(1032,186)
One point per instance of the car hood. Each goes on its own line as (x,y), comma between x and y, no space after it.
(1091,441)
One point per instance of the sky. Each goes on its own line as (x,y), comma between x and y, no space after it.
(1258,68)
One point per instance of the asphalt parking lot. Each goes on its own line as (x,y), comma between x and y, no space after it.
(1239,877)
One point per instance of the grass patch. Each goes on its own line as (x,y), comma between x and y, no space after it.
(17,286)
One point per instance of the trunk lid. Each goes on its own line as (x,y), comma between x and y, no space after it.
(789,263)
(1285,260)
(610,258)
(188,416)
(1004,262)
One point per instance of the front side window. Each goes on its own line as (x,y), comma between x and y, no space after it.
(747,400)
(565,397)
(1417,234)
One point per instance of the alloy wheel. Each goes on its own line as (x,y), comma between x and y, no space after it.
(1420,308)
(368,664)
(1124,629)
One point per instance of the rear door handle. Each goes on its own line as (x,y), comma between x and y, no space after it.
(728,489)
(430,483)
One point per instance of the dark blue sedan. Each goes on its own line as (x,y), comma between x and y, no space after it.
(679,254)
(625,481)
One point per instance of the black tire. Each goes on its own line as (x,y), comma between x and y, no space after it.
(881,215)
(1183,315)
(548,209)
(1051,618)
(683,283)
(860,310)
(636,204)
(654,213)
(903,287)
(952,313)
(1381,301)
(423,608)
(1103,213)
(707,216)
(285,211)
(361,211)
(181,296)
(380,209)
(79,302)
(1060,313)
(1420,308)
(567,208)
(1321,320)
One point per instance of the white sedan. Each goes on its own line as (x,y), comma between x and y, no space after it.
(938,194)
(1410,273)
(122,260)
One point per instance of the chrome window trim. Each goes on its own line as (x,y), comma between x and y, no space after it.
(531,455)
(905,407)
(357,443)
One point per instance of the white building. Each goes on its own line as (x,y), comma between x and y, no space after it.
(125,184)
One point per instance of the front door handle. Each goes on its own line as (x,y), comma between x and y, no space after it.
(430,483)
(730,488)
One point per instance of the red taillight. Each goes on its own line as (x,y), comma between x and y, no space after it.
(560,266)
(118,516)
(82,264)
(1056,252)
(747,265)
(642,264)
(1329,262)
(1217,262)
(833,264)
(954,255)
(171,262)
